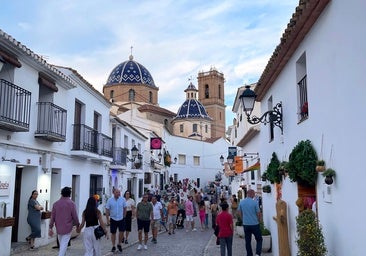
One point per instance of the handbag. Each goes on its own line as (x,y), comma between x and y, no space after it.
(99,232)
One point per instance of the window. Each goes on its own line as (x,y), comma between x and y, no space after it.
(131,95)
(181,128)
(194,128)
(111,94)
(147,178)
(141,187)
(206,128)
(207,91)
(196,160)
(125,142)
(181,159)
(219,91)
(150,97)
(302,94)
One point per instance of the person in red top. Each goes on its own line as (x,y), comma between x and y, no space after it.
(226,230)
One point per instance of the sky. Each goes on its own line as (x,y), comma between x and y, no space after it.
(173,39)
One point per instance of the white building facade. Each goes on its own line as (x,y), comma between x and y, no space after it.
(322,55)
(54,132)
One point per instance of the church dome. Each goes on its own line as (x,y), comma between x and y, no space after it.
(192,108)
(130,72)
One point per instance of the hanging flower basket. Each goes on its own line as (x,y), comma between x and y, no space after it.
(45,215)
(320,166)
(7,222)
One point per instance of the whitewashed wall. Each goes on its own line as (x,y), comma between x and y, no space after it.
(335,61)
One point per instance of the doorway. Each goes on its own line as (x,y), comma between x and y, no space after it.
(16,207)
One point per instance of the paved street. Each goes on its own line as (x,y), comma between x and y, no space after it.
(181,243)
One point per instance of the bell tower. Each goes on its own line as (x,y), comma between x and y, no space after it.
(211,94)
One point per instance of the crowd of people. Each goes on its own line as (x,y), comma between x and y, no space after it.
(156,211)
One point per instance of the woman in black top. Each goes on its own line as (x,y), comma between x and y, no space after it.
(91,218)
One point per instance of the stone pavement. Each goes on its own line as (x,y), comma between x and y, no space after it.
(165,243)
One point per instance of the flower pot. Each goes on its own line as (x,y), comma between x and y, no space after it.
(320,168)
(328,180)
(7,222)
(240,231)
(45,215)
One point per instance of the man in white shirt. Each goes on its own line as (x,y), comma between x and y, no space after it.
(158,214)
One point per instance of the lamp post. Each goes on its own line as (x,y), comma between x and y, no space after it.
(134,152)
(271,116)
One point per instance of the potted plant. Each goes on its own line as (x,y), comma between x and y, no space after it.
(283,168)
(329,174)
(239,227)
(7,222)
(264,176)
(266,235)
(320,166)
(266,189)
(310,239)
(273,175)
(301,164)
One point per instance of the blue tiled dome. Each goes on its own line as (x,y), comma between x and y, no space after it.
(130,72)
(192,108)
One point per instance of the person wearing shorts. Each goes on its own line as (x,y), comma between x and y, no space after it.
(115,213)
(157,216)
(189,214)
(144,214)
(172,215)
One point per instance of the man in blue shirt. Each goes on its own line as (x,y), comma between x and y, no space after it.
(250,213)
(115,213)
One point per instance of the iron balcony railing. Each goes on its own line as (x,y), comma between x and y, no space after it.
(51,123)
(15,106)
(119,156)
(87,139)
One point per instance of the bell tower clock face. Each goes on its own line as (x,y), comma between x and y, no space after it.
(155,143)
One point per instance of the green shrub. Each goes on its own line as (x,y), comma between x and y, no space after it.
(310,239)
(302,163)
(273,175)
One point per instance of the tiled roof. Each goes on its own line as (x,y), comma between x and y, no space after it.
(130,72)
(192,108)
(156,109)
(300,24)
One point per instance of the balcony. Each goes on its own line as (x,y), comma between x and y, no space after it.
(119,158)
(89,143)
(51,124)
(15,104)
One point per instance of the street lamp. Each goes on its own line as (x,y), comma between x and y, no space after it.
(272,116)
(134,152)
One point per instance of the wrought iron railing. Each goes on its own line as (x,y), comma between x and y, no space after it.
(51,123)
(88,139)
(119,156)
(15,105)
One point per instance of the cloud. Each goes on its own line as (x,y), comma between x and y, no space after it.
(174,40)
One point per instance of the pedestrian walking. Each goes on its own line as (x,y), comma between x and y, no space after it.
(115,213)
(250,213)
(189,208)
(202,214)
(234,206)
(207,210)
(91,218)
(172,215)
(157,216)
(144,214)
(64,217)
(130,213)
(224,222)
(34,218)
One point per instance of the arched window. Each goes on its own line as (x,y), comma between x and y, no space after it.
(150,97)
(207,91)
(111,94)
(131,95)
(219,91)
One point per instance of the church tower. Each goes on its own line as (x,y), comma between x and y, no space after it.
(212,96)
